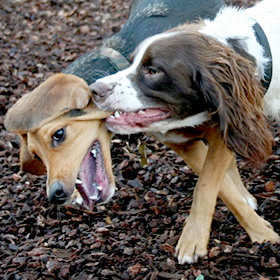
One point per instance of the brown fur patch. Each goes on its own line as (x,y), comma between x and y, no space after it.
(221,81)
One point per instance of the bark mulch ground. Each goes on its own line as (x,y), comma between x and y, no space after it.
(134,236)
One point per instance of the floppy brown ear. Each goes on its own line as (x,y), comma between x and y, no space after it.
(27,161)
(234,94)
(59,93)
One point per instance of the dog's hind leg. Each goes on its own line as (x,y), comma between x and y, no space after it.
(235,177)
(258,229)
(194,155)
(231,193)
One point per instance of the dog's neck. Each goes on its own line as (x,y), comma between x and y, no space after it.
(234,28)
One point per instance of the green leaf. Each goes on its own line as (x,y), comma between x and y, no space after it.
(199,277)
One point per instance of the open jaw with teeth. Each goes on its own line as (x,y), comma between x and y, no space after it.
(93,183)
(139,118)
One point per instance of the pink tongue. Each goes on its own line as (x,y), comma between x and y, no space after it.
(144,117)
(86,172)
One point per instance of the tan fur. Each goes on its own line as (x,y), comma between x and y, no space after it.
(37,115)
(218,175)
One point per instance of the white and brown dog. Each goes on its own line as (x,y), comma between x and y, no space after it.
(214,81)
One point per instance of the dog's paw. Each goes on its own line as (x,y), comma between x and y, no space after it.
(192,243)
(264,232)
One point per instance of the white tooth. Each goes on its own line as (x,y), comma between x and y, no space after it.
(94,196)
(78,181)
(79,200)
(99,188)
(117,114)
(94,153)
(141,112)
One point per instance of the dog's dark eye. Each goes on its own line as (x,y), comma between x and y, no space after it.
(58,137)
(150,70)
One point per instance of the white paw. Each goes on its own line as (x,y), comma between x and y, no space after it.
(187,259)
(193,242)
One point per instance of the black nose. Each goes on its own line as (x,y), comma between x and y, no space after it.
(99,89)
(57,194)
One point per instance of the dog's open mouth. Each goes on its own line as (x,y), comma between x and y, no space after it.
(139,118)
(93,183)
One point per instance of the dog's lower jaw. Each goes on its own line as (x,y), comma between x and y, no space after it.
(125,130)
(108,195)
(93,182)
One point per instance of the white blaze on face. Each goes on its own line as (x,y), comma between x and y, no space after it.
(123,95)
(142,48)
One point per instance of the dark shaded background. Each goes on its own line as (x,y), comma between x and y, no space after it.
(133,237)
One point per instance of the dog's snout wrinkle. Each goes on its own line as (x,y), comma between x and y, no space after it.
(57,194)
(100,89)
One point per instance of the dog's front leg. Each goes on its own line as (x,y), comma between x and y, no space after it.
(196,232)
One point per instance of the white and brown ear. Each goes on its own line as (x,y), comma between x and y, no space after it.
(234,95)
(60,93)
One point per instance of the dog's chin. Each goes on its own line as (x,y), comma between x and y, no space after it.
(145,120)
(93,183)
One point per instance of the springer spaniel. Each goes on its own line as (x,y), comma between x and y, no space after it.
(216,81)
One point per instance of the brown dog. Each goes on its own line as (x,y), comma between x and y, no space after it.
(62,132)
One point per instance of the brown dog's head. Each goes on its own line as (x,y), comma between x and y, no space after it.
(62,132)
